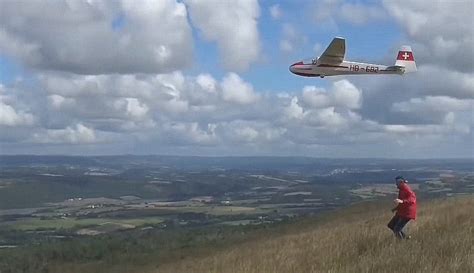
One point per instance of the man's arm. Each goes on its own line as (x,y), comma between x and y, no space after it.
(397,203)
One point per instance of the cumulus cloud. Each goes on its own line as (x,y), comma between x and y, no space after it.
(143,98)
(109,75)
(346,94)
(233,26)
(201,113)
(189,133)
(294,110)
(78,134)
(152,36)
(434,109)
(442,31)
(132,107)
(441,36)
(113,98)
(425,129)
(9,116)
(343,93)
(234,89)
(138,105)
(250,132)
(173,109)
(434,104)
(327,111)
(326,117)
(206,82)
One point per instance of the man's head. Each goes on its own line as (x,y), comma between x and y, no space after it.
(399,180)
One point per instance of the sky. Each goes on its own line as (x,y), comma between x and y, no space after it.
(210,78)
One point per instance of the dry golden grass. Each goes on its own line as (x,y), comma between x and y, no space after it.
(354,240)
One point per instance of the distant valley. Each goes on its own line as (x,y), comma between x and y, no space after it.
(61,196)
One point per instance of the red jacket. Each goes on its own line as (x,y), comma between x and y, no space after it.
(406,209)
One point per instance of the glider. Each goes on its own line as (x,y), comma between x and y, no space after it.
(332,63)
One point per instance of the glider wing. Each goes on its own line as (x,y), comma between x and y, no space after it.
(334,53)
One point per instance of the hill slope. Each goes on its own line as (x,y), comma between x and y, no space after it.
(355,240)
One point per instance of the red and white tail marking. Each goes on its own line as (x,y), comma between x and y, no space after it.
(405,56)
(406,59)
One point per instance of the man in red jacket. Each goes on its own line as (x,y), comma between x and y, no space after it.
(405,209)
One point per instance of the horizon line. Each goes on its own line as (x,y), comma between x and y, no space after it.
(240,156)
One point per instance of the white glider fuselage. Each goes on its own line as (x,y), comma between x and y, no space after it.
(332,63)
(313,69)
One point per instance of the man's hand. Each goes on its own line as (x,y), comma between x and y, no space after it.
(394,209)
(398,201)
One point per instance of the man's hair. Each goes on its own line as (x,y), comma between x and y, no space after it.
(399,178)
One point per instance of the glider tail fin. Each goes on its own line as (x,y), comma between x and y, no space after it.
(406,59)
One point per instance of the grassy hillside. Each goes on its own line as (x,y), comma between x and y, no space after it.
(354,240)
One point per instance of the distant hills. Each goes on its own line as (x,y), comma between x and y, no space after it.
(288,164)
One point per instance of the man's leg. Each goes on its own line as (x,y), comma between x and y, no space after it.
(393,222)
(398,228)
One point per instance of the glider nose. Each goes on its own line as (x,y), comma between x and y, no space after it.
(292,70)
(292,67)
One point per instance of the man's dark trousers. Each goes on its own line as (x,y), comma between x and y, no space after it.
(397,224)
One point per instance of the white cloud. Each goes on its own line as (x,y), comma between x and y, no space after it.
(294,110)
(132,107)
(173,111)
(342,93)
(206,82)
(234,89)
(438,80)
(326,117)
(435,110)
(246,134)
(57,101)
(182,133)
(80,36)
(345,94)
(434,104)
(442,31)
(426,129)
(128,102)
(255,133)
(78,134)
(10,117)
(315,97)
(233,25)
(391,100)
